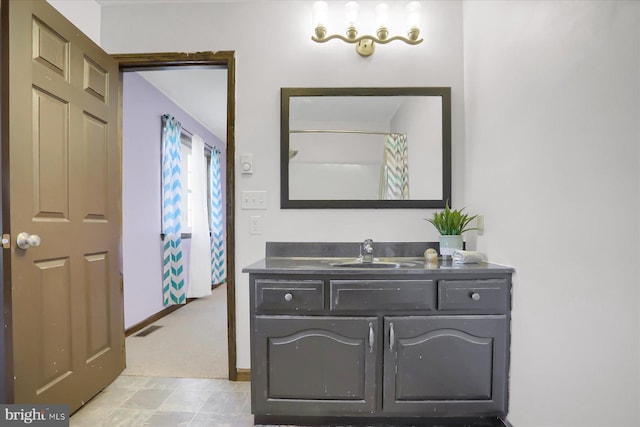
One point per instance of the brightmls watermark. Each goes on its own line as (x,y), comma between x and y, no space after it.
(34,415)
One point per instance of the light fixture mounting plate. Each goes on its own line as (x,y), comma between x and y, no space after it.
(365,47)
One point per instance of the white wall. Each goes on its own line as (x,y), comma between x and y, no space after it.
(84,14)
(552,94)
(278,52)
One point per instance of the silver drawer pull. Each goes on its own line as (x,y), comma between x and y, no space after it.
(392,336)
(475,296)
(288,296)
(372,337)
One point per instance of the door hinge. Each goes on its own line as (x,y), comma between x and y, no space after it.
(6,241)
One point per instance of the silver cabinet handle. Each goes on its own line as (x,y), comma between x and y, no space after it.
(26,240)
(392,336)
(288,296)
(475,296)
(372,337)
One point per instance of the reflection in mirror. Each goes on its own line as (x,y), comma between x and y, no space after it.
(362,147)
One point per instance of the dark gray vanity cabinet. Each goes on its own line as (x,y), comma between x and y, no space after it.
(314,364)
(445,364)
(383,345)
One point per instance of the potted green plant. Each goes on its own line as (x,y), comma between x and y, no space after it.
(451,223)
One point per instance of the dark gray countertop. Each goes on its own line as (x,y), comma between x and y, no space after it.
(310,265)
(318,257)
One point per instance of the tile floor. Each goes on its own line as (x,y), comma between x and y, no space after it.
(132,401)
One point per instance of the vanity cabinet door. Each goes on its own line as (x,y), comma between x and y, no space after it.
(445,365)
(305,365)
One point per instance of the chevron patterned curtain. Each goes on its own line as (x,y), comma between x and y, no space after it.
(218,272)
(173,291)
(394,179)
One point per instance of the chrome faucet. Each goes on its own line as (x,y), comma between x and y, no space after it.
(366,250)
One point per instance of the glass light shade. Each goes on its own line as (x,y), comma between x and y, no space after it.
(382,15)
(351,13)
(413,15)
(320,14)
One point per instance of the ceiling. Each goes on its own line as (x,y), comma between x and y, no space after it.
(201,92)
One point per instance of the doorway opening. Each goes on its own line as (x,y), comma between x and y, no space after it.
(203,60)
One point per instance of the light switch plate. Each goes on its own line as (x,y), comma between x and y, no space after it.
(254,200)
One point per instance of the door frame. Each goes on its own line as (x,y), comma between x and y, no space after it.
(142,61)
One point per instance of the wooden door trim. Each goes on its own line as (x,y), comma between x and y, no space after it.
(141,61)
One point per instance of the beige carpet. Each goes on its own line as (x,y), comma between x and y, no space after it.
(192,342)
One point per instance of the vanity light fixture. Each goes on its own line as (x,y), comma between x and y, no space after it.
(365,45)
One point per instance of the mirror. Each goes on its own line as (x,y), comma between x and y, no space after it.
(365,147)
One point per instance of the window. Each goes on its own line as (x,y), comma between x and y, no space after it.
(186,179)
(187,182)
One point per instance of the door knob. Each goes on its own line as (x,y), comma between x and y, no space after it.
(26,240)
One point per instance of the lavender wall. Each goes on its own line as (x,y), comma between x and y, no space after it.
(143,106)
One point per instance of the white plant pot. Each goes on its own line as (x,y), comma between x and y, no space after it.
(448,244)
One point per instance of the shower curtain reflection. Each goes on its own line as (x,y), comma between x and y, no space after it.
(394,176)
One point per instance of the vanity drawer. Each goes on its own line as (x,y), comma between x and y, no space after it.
(279,296)
(388,295)
(474,295)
